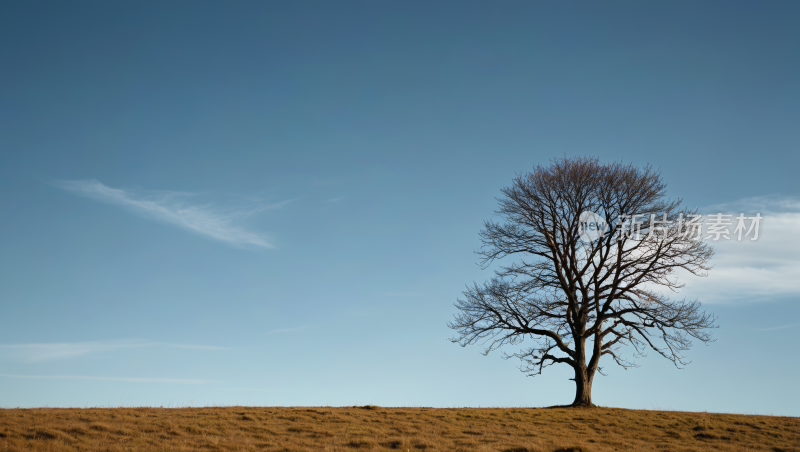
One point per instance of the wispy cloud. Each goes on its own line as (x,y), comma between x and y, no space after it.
(125,379)
(402,294)
(249,389)
(331,203)
(773,328)
(32,353)
(769,203)
(754,270)
(174,208)
(286,330)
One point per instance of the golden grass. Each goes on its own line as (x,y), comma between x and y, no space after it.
(376,429)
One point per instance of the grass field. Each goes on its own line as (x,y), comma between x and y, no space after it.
(377,428)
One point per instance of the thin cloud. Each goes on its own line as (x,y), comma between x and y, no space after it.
(173,208)
(331,203)
(125,379)
(748,271)
(777,327)
(401,294)
(286,330)
(189,346)
(769,203)
(248,389)
(33,353)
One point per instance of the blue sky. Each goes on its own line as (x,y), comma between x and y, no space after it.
(277,203)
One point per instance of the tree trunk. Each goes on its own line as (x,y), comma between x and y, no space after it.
(583,386)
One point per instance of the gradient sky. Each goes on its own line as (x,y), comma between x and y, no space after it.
(277,203)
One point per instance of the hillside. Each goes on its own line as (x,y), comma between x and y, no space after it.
(377,428)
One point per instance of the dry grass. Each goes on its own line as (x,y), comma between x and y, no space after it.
(375,429)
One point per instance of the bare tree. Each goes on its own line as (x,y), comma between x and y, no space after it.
(575,298)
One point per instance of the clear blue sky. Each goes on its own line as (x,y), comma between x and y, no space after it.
(277,203)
